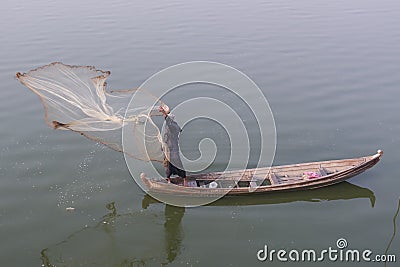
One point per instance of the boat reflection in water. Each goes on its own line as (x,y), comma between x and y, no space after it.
(146,237)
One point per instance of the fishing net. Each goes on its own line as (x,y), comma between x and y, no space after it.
(75,98)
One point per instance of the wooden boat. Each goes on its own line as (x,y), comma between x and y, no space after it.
(341,191)
(266,180)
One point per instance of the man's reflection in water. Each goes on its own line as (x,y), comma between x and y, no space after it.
(105,244)
(172,227)
(173,231)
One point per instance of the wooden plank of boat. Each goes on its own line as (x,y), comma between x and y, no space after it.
(270,179)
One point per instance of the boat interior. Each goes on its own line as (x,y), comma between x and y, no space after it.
(272,175)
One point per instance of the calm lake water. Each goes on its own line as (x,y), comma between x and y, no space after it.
(330,71)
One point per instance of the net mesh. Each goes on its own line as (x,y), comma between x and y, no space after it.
(75,98)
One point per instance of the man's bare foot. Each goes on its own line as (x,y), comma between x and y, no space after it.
(169,180)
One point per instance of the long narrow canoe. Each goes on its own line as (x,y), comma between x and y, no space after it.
(342,191)
(293,177)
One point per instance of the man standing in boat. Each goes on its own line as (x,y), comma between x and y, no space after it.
(173,164)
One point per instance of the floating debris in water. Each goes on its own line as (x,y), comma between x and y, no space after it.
(70,209)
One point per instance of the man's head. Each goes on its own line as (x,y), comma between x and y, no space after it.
(164,109)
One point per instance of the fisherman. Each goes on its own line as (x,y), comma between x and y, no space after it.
(172,161)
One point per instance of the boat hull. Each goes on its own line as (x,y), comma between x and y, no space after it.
(338,171)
